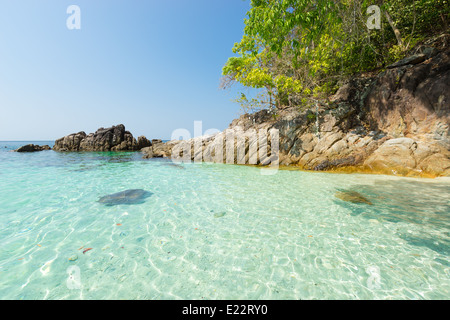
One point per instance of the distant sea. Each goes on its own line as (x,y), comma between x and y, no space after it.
(13,145)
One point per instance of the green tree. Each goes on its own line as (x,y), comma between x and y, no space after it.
(296,51)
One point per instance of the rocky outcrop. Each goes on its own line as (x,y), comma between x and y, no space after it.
(393,122)
(32,148)
(143,142)
(115,138)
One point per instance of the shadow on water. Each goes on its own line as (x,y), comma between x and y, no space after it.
(87,167)
(166,162)
(174,165)
(424,204)
(112,157)
(86,161)
(94,160)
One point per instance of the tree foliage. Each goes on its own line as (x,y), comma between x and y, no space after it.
(296,50)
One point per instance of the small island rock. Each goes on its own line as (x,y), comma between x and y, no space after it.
(32,148)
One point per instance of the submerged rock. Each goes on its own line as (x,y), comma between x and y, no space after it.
(132,196)
(352,196)
(73,258)
(219,214)
(32,148)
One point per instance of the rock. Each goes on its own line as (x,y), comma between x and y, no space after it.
(133,196)
(328,124)
(32,148)
(338,149)
(156,141)
(115,138)
(161,150)
(406,142)
(143,142)
(110,139)
(424,150)
(70,142)
(219,214)
(148,152)
(327,141)
(393,122)
(73,258)
(429,52)
(336,163)
(352,196)
(343,93)
(394,154)
(309,141)
(437,163)
(414,59)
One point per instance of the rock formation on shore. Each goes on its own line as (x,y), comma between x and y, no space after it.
(393,122)
(115,138)
(33,148)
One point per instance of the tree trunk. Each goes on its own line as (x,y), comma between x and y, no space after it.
(444,22)
(395,29)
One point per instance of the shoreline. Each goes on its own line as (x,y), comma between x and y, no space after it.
(388,171)
(352,170)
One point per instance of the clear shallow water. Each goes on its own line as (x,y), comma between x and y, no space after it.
(215,232)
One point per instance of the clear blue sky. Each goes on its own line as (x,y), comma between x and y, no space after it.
(153,65)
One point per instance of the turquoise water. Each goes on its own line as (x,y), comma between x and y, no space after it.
(215,232)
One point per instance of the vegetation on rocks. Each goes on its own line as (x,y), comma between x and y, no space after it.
(296,52)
